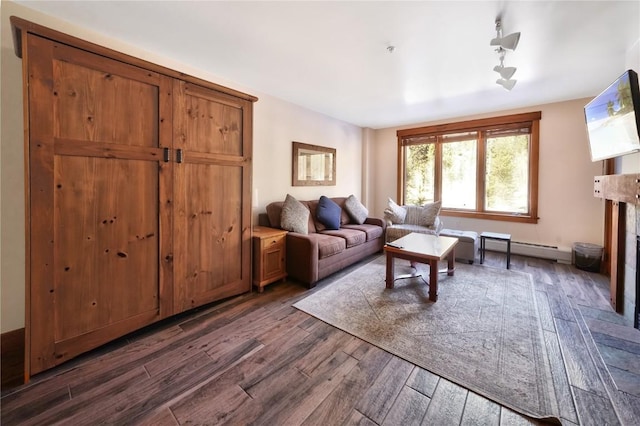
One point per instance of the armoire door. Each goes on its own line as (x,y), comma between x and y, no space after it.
(212,211)
(99,201)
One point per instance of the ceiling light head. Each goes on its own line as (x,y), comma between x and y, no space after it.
(509,42)
(507,84)
(391,49)
(505,72)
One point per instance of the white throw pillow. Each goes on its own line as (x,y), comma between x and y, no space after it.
(395,213)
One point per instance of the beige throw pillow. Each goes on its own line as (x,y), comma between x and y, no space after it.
(356,210)
(294,216)
(395,213)
(429,213)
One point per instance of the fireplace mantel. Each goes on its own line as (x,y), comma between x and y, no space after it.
(621,188)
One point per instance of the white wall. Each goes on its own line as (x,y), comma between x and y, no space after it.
(567,209)
(12,247)
(276,125)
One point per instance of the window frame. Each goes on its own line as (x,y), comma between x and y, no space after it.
(529,119)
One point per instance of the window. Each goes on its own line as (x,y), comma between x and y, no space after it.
(481,168)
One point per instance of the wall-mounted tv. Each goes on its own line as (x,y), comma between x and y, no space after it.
(613,119)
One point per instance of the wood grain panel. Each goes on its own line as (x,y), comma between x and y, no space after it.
(377,401)
(39,329)
(408,409)
(94,217)
(447,404)
(108,234)
(210,225)
(100,106)
(338,406)
(210,124)
(212,188)
(105,150)
(423,381)
(166,198)
(480,411)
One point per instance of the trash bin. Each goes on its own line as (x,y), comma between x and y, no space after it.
(587,256)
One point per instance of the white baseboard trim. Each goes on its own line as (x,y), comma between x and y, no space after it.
(559,254)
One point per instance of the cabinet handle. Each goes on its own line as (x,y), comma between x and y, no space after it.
(179,156)
(166,155)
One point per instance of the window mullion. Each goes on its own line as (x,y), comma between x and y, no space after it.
(437,179)
(481,172)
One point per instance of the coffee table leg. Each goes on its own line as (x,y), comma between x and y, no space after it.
(451,262)
(433,280)
(389,277)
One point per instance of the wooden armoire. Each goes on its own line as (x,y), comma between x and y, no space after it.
(138,193)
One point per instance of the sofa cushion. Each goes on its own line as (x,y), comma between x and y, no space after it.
(395,213)
(329,245)
(372,231)
(328,213)
(294,216)
(356,210)
(394,232)
(353,237)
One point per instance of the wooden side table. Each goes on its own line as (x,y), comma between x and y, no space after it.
(269,256)
(495,236)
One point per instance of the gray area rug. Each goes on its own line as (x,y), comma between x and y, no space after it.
(483,333)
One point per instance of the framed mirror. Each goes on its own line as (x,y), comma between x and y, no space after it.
(313,165)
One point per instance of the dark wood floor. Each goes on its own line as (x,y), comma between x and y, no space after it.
(255,359)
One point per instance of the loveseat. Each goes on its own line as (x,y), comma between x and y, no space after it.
(402,220)
(319,252)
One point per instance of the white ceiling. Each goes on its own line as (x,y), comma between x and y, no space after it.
(332,57)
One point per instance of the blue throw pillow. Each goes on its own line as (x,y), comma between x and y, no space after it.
(328,213)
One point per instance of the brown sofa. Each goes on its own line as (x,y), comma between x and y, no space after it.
(321,252)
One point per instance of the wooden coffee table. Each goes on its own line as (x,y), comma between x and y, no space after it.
(421,248)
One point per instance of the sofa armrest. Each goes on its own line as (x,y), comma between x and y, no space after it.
(302,257)
(263,220)
(376,221)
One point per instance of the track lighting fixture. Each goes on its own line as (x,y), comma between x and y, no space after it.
(505,72)
(509,42)
(507,84)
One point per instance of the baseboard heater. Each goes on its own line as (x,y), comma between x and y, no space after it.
(559,254)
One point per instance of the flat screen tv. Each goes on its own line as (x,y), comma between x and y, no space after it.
(613,119)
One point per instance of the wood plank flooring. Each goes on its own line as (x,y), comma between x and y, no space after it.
(255,359)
